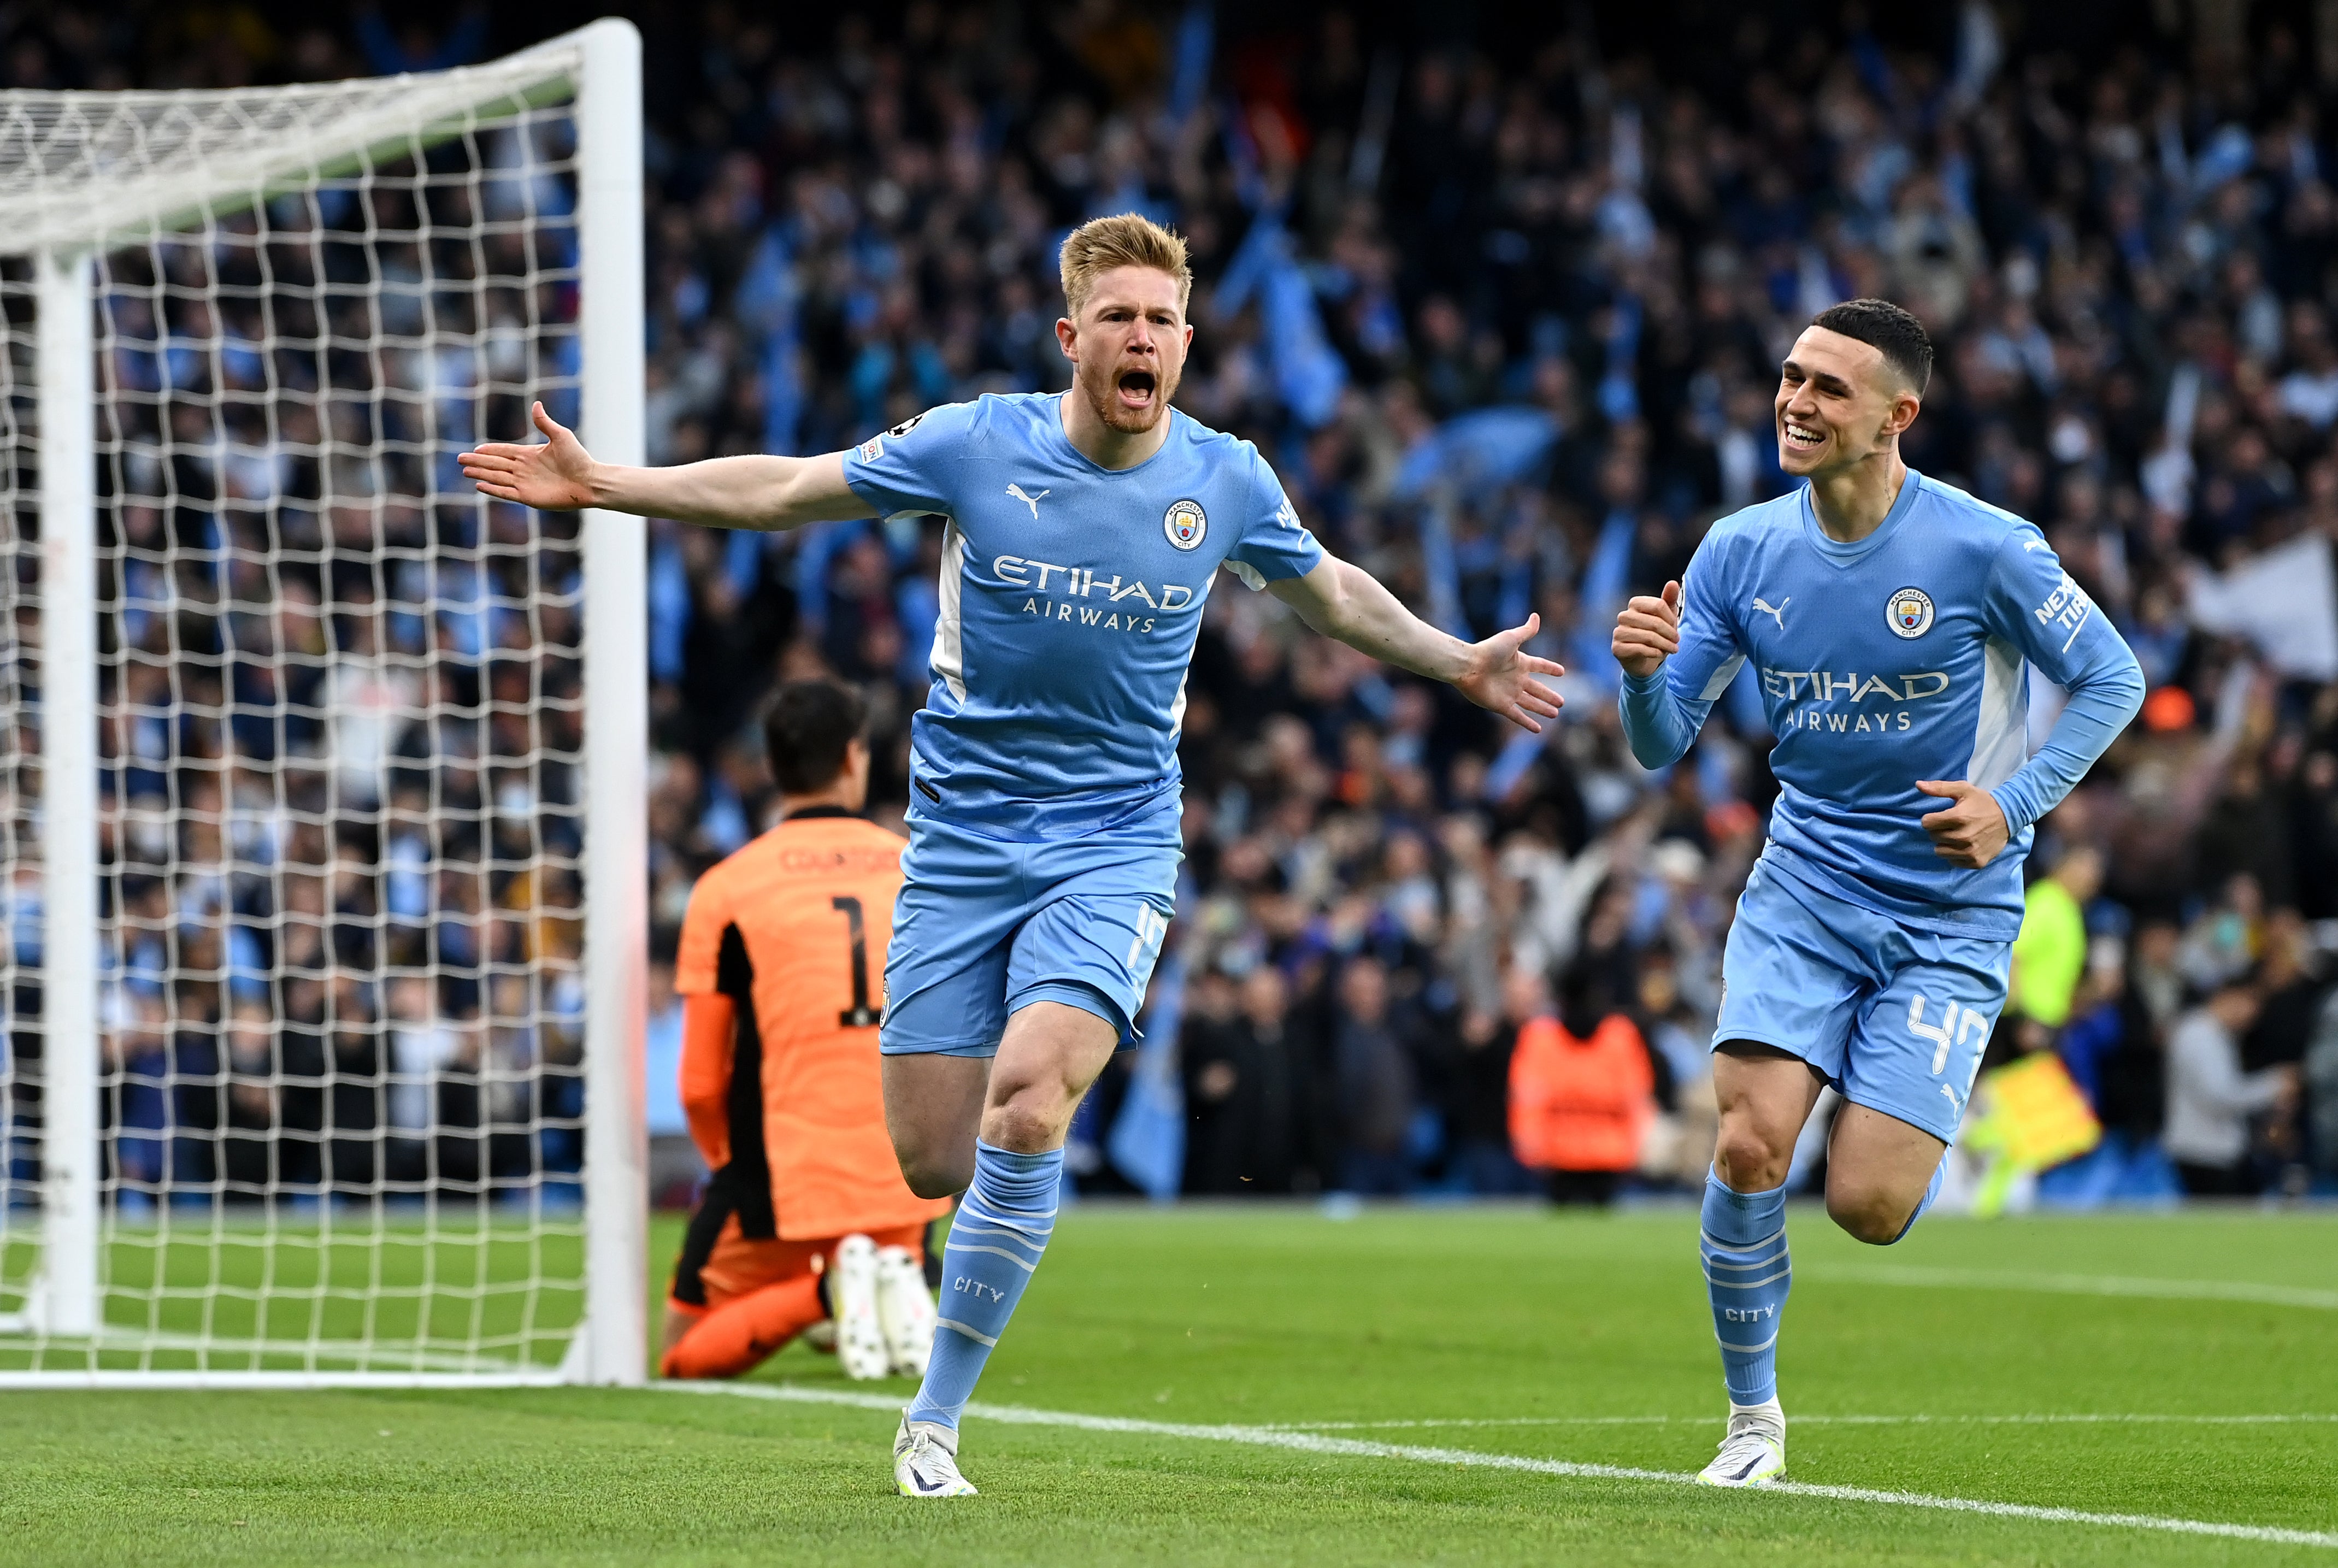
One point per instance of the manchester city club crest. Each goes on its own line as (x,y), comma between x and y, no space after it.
(1908,612)
(1186,523)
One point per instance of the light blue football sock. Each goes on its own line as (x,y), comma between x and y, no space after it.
(996,1241)
(1747,1274)
(1932,1193)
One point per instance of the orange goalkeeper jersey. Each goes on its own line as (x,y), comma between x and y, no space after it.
(790,1110)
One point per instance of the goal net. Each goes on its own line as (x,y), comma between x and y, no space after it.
(320,800)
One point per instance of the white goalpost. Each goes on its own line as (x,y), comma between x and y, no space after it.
(322,833)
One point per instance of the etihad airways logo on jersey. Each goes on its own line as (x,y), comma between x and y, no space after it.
(1078,595)
(1825,686)
(1805,688)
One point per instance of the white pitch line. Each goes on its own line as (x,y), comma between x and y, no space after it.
(1799,1419)
(2084,1418)
(2083,1285)
(1474,1421)
(1358,1448)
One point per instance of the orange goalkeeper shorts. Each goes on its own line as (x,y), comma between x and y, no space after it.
(735,1265)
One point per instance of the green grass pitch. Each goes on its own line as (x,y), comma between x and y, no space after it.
(1577,1338)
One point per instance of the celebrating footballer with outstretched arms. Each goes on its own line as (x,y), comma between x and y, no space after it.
(1082,532)
(1890,620)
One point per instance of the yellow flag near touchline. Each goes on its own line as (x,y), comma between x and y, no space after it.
(2027,1115)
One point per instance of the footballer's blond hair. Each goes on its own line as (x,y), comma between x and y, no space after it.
(1122,239)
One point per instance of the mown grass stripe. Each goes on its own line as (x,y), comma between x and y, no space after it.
(2080,1285)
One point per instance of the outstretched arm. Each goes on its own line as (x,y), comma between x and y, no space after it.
(1344,600)
(757,492)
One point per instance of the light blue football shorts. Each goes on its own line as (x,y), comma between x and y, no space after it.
(984,928)
(1895,1017)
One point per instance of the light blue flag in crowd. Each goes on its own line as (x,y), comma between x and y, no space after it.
(1510,763)
(1478,451)
(1190,77)
(818,544)
(1309,374)
(1442,569)
(1619,388)
(669,595)
(768,304)
(1147,1142)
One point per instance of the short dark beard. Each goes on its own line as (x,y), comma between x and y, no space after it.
(1108,409)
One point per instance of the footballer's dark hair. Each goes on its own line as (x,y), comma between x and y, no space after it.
(806,729)
(1907,348)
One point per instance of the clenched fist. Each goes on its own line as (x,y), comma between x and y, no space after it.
(1969,833)
(1648,632)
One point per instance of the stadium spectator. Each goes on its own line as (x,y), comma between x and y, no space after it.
(1375,1080)
(1241,1084)
(2280,1037)
(2210,1099)
(1582,1092)
(1483,1161)
(2112,1048)
(2320,1079)
(2050,957)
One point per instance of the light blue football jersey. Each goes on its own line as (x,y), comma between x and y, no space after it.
(1898,657)
(1070,595)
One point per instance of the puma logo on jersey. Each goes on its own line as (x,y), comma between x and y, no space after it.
(1777,611)
(1029,500)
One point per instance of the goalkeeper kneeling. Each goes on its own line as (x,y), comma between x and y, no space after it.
(806,1220)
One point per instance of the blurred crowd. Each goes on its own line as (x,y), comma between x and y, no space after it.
(1504,312)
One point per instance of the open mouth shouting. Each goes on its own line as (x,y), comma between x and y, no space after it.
(1136,391)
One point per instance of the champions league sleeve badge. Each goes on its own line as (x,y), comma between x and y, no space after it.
(1909,612)
(1185,525)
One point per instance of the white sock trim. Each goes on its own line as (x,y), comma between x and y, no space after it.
(974,1333)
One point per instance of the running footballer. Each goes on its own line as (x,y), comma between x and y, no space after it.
(1084,533)
(1890,621)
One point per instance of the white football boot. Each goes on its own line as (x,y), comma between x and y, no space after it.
(925,1461)
(1753,1453)
(905,1311)
(852,1303)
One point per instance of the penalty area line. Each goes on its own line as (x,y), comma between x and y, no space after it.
(1310,1441)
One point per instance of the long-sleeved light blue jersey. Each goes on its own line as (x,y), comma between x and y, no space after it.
(1898,657)
(1070,595)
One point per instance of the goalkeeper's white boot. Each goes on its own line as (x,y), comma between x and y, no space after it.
(925,1461)
(1753,1453)
(852,1304)
(905,1311)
